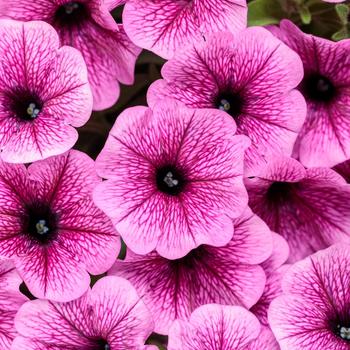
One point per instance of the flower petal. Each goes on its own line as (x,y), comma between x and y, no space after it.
(87,232)
(226,275)
(53,273)
(214,327)
(129,323)
(163,27)
(65,179)
(265,341)
(44,324)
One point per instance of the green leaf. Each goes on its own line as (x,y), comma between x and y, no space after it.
(341,34)
(343,12)
(158,340)
(305,14)
(264,12)
(122,252)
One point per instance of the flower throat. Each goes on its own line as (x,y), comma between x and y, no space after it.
(71,14)
(230,103)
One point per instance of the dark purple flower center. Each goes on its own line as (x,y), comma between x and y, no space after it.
(229,102)
(318,88)
(344,171)
(71,14)
(340,326)
(40,223)
(23,104)
(189,261)
(102,344)
(170,180)
(280,192)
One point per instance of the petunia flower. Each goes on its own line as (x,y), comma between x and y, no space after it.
(51,228)
(88,26)
(308,207)
(313,312)
(344,170)
(174,178)
(218,327)
(250,76)
(165,26)
(229,275)
(325,137)
(11,300)
(44,92)
(110,316)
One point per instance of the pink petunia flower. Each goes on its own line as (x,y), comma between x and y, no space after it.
(88,26)
(11,300)
(308,207)
(325,137)
(51,228)
(313,313)
(110,316)
(174,178)
(344,170)
(217,327)
(44,92)
(165,26)
(251,76)
(229,275)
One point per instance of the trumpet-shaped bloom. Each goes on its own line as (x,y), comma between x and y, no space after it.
(10,301)
(165,26)
(110,316)
(325,137)
(308,207)
(313,312)
(217,327)
(250,76)
(88,26)
(174,178)
(44,92)
(51,228)
(229,275)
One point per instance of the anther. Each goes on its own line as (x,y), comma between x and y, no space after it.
(71,7)
(344,333)
(41,227)
(169,180)
(224,105)
(32,111)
